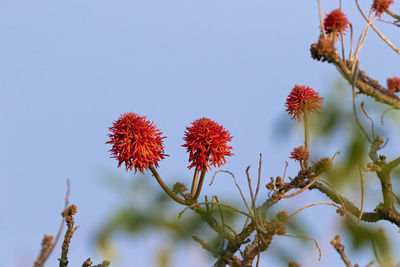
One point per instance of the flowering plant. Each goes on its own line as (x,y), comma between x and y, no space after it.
(207,145)
(137,144)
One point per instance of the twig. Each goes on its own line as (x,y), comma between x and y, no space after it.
(304,188)
(213,203)
(308,238)
(377,31)
(362,193)
(69,219)
(364,83)
(253,201)
(311,205)
(321,19)
(380,214)
(240,190)
(336,243)
(337,194)
(353,87)
(284,172)
(46,246)
(390,13)
(361,40)
(47,243)
(351,41)
(258,178)
(384,113)
(342,42)
(368,117)
(221,214)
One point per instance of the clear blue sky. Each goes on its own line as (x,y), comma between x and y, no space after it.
(69,68)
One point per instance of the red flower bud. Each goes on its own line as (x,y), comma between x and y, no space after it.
(302,98)
(136,142)
(206,142)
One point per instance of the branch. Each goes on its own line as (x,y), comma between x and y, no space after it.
(336,243)
(68,216)
(212,222)
(262,241)
(165,187)
(393,15)
(47,243)
(234,245)
(364,83)
(379,214)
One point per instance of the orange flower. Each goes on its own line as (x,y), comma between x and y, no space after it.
(393,85)
(302,98)
(336,21)
(206,142)
(136,142)
(380,6)
(299,153)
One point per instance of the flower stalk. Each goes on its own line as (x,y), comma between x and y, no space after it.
(196,196)
(194,182)
(306,135)
(165,187)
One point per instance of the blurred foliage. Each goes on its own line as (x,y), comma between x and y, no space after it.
(365,236)
(144,207)
(335,129)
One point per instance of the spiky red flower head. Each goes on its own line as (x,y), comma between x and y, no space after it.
(393,85)
(336,21)
(380,6)
(299,153)
(136,142)
(206,142)
(302,98)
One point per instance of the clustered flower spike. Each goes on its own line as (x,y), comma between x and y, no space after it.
(380,6)
(299,153)
(300,99)
(206,142)
(336,21)
(136,142)
(393,85)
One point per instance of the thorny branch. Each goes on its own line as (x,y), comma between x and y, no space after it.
(366,85)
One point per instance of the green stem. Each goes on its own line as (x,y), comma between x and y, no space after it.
(196,196)
(165,187)
(194,182)
(387,191)
(216,204)
(306,134)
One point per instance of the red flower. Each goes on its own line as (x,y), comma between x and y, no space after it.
(380,6)
(302,98)
(206,143)
(393,85)
(136,142)
(299,153)
(336,21)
